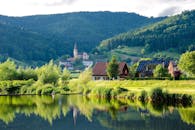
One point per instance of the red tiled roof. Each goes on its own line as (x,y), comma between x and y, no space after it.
(121,66)
(100,68)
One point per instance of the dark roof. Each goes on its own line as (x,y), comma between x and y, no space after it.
(142,64)
(121,66)
(100,68)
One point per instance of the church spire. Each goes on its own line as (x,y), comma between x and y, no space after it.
(75,51)
(75,46)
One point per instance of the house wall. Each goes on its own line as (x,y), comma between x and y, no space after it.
(100,77)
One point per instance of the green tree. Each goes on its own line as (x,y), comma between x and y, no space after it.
(113,68)
(65,76)
(26,73)
(187,63)
(8,70)
(85,76)
(49,73)
(133,69)
(160,71)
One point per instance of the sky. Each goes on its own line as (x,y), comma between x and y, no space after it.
(148,8)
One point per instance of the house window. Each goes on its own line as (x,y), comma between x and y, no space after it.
(97,78)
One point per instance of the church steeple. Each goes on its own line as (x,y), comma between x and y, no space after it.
(75,51)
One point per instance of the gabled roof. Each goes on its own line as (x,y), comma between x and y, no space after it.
(142,64)
(100,68)
(121,66)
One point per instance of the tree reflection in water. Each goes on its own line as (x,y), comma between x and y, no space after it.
(115,114)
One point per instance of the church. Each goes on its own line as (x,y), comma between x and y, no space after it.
(78,55)
(68,63)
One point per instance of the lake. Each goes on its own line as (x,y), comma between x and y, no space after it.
(78,112)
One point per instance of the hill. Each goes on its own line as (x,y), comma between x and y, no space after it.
(174,35)
(24,45)
(42,37)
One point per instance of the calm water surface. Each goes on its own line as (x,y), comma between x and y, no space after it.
(80,113)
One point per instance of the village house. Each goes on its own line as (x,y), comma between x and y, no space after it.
(173,70)
(66,64)
(99,71)
(146,67)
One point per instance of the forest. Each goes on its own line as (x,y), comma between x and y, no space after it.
(41,38)
(175,34)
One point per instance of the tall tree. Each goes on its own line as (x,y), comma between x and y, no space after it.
(8,70)
(160,71)
(113,68)
(187,63)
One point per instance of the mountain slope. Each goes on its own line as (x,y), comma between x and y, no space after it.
(51,36)
(175,34)
(24,45)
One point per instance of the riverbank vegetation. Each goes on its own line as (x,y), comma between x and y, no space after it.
(41,80)
(51,79)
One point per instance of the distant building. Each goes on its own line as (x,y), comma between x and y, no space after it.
(77,55)
(99,71)
(68,63)
(173,70)
(87,64)
(85,56)
(75,51)
(146,67)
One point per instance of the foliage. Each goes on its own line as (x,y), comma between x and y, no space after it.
(13,87)
(113,68)
(160,71)
(175,32)
(101,92)
(27,73)
(187,63)
(41,38)
(65,76)
(133,69)
(85,76)
(49,73)
(78,64)
(8,70)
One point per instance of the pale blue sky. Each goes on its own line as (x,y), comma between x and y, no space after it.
(144,7)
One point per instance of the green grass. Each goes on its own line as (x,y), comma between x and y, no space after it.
(124,53)
(173,55)
(134,53)
(178,87)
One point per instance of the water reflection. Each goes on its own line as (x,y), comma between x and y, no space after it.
(121,114)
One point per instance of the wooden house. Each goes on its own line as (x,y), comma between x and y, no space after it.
(99,71)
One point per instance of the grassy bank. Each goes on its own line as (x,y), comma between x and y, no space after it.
(133,88)
(179,87)
(99,88)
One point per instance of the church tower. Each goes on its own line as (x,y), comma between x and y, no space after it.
(75,51)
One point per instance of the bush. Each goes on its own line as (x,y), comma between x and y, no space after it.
(65,76)
(27,73)
(85,76)
(14,87)
(102,92)
(49,73)
(8,70)
(45,89)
